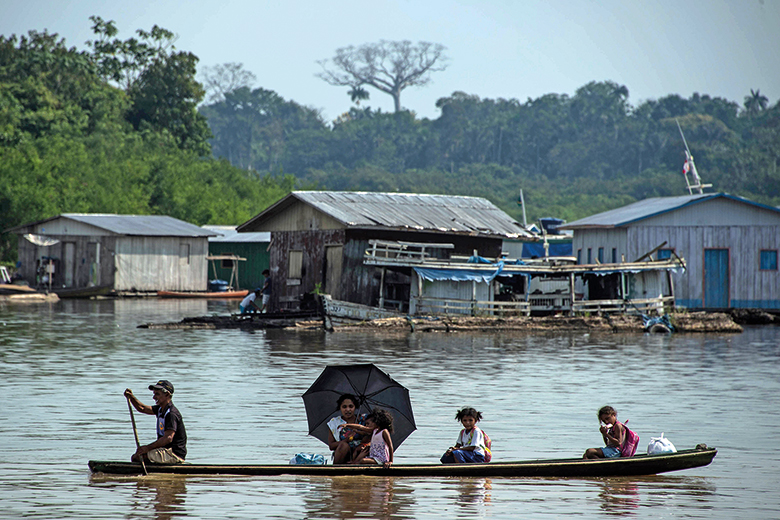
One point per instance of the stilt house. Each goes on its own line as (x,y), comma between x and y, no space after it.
(319,239)
(135,253)
(730,245)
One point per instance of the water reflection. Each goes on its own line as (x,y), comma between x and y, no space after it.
(368,497)
(474,491)
(619,496)
(167,496)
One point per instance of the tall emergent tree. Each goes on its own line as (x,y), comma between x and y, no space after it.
(389,67)
(223,79)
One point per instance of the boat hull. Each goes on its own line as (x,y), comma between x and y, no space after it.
(572,468)
(211,295)
(83,292)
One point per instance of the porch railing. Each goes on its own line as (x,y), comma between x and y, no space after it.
(645,306)
(471,307)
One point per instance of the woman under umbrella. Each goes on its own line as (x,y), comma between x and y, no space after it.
(345,442)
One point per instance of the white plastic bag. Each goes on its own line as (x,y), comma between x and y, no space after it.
(660,445)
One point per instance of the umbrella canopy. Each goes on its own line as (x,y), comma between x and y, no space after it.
(372,387)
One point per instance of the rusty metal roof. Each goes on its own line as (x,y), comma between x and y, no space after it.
(405,211)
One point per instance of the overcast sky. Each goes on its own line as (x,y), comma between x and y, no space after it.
(497,48)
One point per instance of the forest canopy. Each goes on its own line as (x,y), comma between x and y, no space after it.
(113,130)
(121,127)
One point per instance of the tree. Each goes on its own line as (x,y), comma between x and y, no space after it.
(165,97)
(124,62)
(220,80)
(389,67)
(755,102)
(252,128)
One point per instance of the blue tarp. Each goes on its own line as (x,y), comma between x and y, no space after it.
(459,275)
(536,249)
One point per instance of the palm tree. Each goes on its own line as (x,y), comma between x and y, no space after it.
(358,93)
(755,102)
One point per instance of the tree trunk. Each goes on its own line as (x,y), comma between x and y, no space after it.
(397,100)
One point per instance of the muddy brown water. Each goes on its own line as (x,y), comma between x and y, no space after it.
(64,366)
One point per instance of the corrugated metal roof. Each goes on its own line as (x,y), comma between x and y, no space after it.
(141,225)
(408,211)
(649,208)
(229,234)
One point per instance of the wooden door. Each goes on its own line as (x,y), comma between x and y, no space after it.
(716,278)
(333,266)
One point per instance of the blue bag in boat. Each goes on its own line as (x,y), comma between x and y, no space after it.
(308,459)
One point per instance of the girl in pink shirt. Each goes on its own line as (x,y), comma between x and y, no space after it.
(380,425)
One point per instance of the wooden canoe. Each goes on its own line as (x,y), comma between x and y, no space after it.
(212,295)
(83,292)
(575,468)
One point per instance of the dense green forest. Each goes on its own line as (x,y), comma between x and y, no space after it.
(116,128)
(571,156)
(113,129)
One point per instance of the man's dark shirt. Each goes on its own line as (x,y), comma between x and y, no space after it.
(171,419)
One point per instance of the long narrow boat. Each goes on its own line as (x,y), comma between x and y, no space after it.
(212,295)
(83,292)
(617,467)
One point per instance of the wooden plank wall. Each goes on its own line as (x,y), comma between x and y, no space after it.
(748,285)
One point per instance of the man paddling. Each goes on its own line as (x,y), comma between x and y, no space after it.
(171,444)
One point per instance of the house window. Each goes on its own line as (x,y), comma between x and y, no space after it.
(579,256)
(601,255)
(614,255)
(664,254)
(226,264)
(295,267)
(769,260)
(590,256)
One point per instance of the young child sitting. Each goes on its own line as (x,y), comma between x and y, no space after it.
(470,446)
(613,432)
(379,424)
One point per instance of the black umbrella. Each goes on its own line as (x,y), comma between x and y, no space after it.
(372,387)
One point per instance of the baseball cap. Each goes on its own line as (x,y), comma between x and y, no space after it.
(163,385)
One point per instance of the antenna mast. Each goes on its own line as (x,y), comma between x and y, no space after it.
(521,202)
(691,166)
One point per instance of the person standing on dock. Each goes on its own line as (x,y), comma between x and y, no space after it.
(266,290)
(171,444)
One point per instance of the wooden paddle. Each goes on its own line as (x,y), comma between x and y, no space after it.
(135,432)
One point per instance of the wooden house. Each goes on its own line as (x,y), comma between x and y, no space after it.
(252,247)
(134,253)
(319,238)
(730,245)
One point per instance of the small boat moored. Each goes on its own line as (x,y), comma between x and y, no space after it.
(213,295)
(639,465)
(83,292)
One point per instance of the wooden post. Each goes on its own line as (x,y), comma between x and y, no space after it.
(382,290)
(474,296)
(571,289)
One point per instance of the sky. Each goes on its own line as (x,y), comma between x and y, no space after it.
(497,48)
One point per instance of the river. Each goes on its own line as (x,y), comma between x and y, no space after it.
(64,366)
